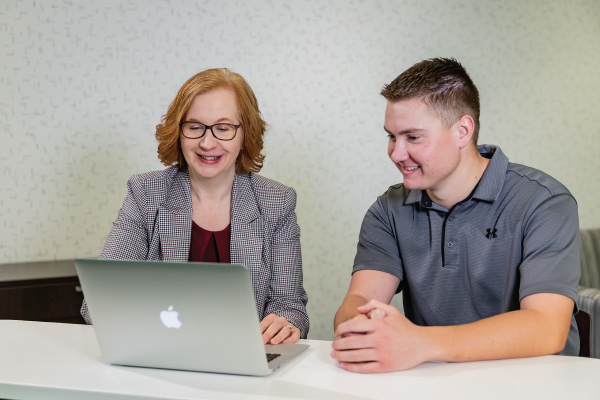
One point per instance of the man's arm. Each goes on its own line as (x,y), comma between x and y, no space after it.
(394,343)
(540,327)
(366,285)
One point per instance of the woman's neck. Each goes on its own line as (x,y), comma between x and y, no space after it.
(215,189)
(211,202)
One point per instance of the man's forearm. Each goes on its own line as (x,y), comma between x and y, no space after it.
(348,308)
(540,327)
(520,333)
(365,285)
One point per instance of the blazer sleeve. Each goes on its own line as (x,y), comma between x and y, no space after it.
(128,238)
(287,297)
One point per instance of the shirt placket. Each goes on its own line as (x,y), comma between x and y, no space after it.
(451,240)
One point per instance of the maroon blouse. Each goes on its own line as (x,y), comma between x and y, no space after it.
(208,246)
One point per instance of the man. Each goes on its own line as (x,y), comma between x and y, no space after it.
(486,252)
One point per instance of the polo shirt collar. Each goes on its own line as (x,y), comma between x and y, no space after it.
(414,196)
(489,186)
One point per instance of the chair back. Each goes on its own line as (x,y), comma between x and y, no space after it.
(590,258)
(584,324)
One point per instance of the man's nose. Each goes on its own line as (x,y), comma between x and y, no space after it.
(399,152)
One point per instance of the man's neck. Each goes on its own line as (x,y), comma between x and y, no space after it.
(463,180)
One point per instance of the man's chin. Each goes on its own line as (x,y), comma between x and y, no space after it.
(410,185)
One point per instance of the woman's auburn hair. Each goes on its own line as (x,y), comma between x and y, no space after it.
(250,158)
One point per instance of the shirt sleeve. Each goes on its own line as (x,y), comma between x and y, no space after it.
(551,258)
(377,247)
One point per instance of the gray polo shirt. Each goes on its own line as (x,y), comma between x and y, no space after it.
(517,234)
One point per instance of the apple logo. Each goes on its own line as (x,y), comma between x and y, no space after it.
(169,318)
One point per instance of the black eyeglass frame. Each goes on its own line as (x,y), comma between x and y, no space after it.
(207,127)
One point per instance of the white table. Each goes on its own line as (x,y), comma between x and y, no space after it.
(60,361)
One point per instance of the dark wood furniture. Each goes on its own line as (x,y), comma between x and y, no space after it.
(40,291)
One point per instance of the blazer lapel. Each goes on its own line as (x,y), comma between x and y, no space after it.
(174,220)
(247,230)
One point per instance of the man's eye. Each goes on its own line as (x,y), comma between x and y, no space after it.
(391,137)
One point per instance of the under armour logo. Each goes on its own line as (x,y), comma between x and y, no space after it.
(491,233)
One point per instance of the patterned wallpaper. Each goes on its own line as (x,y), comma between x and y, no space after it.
(83,84)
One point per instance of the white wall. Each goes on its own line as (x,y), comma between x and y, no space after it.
(83,84)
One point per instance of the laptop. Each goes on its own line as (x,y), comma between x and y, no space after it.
(185,316)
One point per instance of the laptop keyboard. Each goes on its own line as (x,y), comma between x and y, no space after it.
(272,356)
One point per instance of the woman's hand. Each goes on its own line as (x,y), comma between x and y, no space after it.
(277,330)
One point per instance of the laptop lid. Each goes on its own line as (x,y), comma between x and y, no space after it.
(188,316)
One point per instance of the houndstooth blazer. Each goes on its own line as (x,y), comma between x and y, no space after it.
(155,223)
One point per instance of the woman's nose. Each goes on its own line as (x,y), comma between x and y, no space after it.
(208,141)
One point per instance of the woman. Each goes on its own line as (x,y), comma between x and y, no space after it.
(210,205)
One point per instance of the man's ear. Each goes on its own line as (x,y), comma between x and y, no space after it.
(466,127)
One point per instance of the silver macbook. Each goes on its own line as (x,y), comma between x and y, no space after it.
(187,316)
